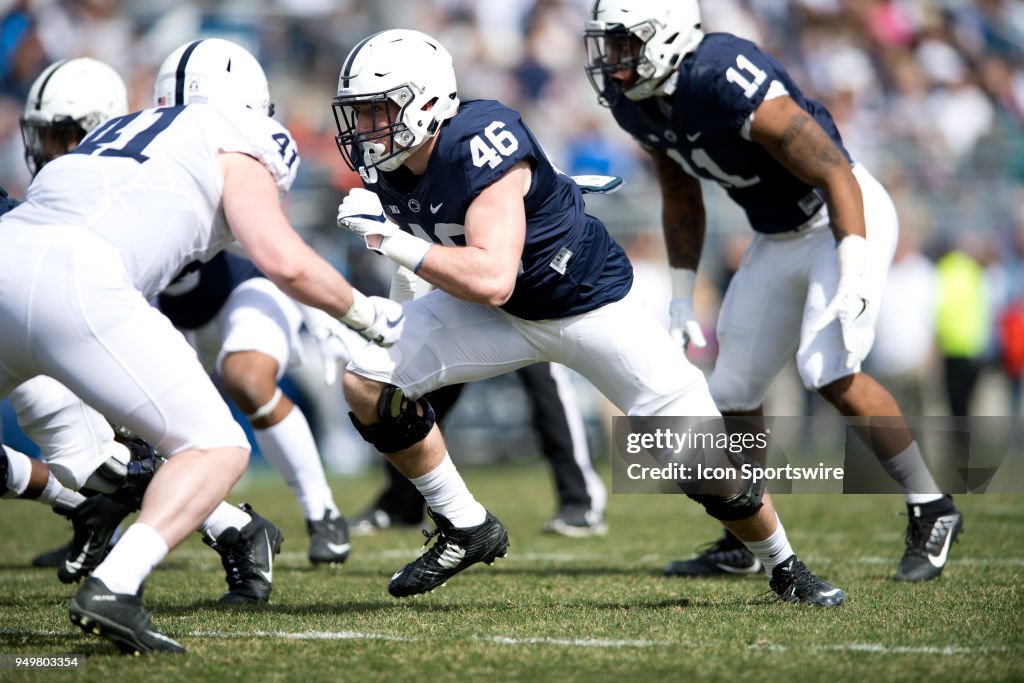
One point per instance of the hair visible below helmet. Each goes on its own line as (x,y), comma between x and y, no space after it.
(70,98)
(650,36)
(404,78)
(214,71)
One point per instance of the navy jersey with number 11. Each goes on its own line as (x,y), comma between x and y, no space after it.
(718,88)
(570,264)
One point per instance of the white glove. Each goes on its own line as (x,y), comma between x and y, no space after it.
(361,212)
(682,321)
(375,318)
(334,340)
(850,304)
(683,325)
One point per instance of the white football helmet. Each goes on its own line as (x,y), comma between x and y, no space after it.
(69,99)
(215,71)
(649,36)
(401,85)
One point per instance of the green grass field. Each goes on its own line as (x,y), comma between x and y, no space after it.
(555,609)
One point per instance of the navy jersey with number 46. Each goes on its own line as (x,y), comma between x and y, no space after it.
(570,264)
(718,87)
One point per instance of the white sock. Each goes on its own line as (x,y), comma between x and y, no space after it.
(290,448)
(222,518)
(19,469)
(56,493)
(447,495)
(772,550)
(908,469)
(132,559)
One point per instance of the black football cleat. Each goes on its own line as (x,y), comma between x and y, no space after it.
(52,558)
(793,582)
(932,529)
(453,551)
(328,539)
(118,617)
(725,557)
(247,555)
(95,522)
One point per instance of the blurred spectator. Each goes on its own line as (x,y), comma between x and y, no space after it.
(963,323)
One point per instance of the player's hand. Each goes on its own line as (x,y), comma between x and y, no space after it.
(388,321)
(683,325)
(332,339)
(850,304)
(850,308)
(361,212)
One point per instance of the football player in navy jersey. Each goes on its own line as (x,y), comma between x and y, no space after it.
(463,195)
(718,108)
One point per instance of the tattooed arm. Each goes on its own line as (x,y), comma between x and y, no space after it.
(682,219)
(797,142)
(682,212)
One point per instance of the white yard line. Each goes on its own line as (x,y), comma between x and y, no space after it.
(598,643)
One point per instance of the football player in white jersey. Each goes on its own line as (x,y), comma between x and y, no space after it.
(69,99)
(66,101)
(107,227)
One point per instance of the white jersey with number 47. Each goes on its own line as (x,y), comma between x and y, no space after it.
(150,183)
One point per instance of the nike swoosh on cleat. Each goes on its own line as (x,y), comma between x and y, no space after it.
(75,566)
(829,594)
(393,323)
(397,574)
(729,569)
(339,548)
(162,637)
(268,575)
(938,561)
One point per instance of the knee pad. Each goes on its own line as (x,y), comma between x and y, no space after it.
(739,506)
(400,424)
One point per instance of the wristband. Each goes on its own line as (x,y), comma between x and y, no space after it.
(682,282)
(361,313)
(405,249)
(852,252)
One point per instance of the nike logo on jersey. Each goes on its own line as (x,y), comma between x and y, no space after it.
(435,209)
(946,524)
(693,138)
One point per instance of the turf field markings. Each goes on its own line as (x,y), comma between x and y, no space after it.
(866,648)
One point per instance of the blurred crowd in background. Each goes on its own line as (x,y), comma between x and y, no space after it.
(928,94)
